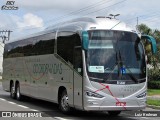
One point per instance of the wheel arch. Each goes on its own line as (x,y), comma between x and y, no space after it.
(11,82)
(17,82)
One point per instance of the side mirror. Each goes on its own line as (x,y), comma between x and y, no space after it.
(151,40)
(85,40)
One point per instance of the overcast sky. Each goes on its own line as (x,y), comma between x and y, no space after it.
(35,16)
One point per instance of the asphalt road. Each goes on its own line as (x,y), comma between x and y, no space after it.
(50,110)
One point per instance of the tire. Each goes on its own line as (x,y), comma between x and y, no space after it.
(114,113)
(18,93)
(63,103)
(12,91)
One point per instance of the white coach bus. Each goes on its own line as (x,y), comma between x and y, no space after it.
(92,64)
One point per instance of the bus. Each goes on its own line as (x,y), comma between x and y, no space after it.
(90,64)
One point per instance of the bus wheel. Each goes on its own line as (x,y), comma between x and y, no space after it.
(114,113)
(18,93)
(63,104)
(12,91)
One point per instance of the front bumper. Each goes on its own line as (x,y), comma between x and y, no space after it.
(106,104)
(113,108)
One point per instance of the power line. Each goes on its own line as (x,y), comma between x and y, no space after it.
(107,7)
(82,9)
(75,12)
(99,9)
(149,17)
(152,21)
(60,21)
(6,36)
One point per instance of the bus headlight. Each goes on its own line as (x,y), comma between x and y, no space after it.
(93,94)
(142,95)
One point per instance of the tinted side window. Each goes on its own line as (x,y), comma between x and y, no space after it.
(39,45)
(45,44)
(14,49)
(20,48)
(65,45)
(28,46)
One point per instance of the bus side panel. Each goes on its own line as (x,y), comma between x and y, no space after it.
(78,81)
(6,75)
(64,78)
(14,71)
(47,73)
(19,73)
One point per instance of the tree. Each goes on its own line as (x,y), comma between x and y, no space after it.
(144,29)
(152,59)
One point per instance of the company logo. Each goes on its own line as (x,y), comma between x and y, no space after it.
(10,5)
(121,82)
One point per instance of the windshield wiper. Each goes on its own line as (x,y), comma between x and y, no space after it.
(132,77)
(116,64)
(130,73)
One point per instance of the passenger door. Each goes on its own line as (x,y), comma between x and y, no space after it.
(78,67)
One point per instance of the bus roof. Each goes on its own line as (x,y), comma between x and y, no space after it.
(85,23)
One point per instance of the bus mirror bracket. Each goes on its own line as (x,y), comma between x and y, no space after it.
(152,41)
(85,40)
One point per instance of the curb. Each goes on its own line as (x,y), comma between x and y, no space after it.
(153,107)
(153,97)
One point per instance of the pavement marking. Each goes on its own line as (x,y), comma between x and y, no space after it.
(2,99)
(11,102)
(135,116)
(34,110)
(18,104)
(23,106)
(145,118)
(59,118)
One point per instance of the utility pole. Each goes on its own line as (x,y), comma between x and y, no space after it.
(5,35)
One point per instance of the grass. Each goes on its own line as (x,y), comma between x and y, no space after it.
(152,92)
(153,102)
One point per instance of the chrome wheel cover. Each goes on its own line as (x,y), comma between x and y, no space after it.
(64,102)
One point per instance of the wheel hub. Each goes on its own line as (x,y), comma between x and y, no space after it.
(18,94)
(64,102)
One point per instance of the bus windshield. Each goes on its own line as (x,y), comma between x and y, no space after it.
(115,55)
